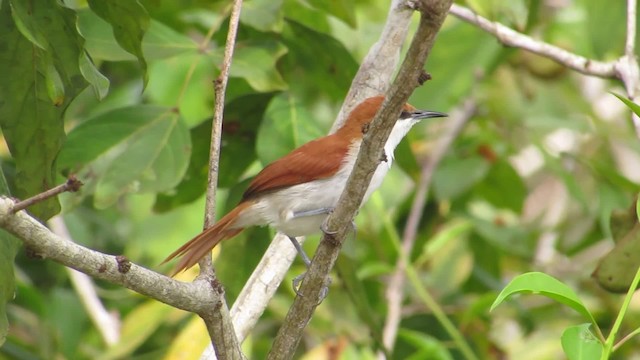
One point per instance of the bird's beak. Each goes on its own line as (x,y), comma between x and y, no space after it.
(426,114)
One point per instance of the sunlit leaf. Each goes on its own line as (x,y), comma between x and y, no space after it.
(343,10)
(426,346)
(543,284)
(264,15)
(159,42)
(129,21)
(579,343)
(256,63)
(139,148)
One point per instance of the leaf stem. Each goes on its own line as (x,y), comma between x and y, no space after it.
(608,345)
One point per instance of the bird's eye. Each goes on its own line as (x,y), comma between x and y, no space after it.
(405,114)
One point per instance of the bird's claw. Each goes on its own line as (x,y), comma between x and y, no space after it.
(323,292)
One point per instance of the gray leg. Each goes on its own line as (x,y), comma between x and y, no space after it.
(312,212)
(300,250)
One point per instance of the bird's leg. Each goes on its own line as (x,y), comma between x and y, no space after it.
(300,251)
(298,279)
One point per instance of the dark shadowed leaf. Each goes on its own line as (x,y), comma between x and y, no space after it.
(242,118)
(9,246)
(44,77)
(287,124)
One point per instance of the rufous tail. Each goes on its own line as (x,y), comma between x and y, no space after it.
(196,248)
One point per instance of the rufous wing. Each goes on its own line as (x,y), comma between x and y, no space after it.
(318,159)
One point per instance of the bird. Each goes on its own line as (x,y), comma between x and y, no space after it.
(296,193)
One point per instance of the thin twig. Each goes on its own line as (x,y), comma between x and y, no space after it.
(338,223)
(72,185)
(630,43)
(510,37)
(394,293)
(218,320)
(107,324)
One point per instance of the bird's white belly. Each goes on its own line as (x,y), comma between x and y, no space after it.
(281,209)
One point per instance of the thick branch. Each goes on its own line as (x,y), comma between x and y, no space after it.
(513,38)
(338,223)
(194,297)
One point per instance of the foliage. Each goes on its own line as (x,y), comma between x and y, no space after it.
(120,92)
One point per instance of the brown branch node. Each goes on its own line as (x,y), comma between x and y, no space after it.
(72,185)
(124,265)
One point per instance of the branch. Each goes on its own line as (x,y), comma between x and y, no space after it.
(510,37)
(72,184)
(217,319)
(624,68)
(373,77)
(432,15)
(194,297)
(394,293)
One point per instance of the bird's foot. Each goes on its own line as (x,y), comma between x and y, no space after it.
(323,292)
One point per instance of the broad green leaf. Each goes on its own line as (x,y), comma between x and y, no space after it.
(256,63)
(264,15)
(543,284)
(287,124)
(27,24)
(325,68)
(159,42)
(343,10)
(167,85)
(139,148)
(9,246)
(579,343)
(427,347)
(239,129)
(129,21)
(454,177)
(37,87)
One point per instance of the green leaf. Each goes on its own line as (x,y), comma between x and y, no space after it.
(256,63)
(241,120)
(452,178)
(325,68)
(138,148)
(287,124)
(41,85)
(579,343)
(343,10)
(543,284)
(159,42)
(630,104)
(129,21)
(9,246)
(263,15)
(99,82)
